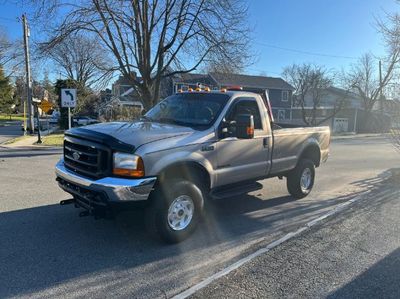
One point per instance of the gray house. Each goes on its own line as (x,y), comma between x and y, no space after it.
(345,120)
(279,91)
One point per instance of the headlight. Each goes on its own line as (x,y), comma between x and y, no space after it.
(128,165)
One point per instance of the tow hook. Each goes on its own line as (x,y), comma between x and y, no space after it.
(66,202)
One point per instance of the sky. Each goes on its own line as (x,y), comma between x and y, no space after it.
(333,33)
(327,27)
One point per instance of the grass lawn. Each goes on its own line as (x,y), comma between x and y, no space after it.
(6,117)
(53,140)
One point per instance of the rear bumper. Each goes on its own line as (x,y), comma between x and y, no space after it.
(105,190)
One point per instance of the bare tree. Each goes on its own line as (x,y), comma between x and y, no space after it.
(363,78)
(311,83)
(11,53)
(5,45)
(159,38)
(389,28)
(82,59)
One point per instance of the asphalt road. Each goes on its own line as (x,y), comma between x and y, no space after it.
(353,255)
(47,250)
(9,130)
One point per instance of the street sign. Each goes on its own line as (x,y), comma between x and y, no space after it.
(68,97)
(46,106)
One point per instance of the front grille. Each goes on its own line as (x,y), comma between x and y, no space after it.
(86,158)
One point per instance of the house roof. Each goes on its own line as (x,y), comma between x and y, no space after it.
(344,93)
(190,77)
(251,81)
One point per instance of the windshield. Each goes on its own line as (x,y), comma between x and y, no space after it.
(189,109)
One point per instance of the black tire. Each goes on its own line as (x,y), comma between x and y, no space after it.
(166,197)
(294,179)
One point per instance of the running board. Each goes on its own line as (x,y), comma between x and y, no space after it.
(235,190)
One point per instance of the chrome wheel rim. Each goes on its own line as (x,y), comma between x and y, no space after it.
(305,180)
(180,212)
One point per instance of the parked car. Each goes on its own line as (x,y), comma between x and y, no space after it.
(190,148)
(83,121)
(54,118)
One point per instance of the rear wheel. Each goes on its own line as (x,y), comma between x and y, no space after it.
(176,210)
(301,179)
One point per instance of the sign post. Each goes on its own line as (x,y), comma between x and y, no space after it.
(68,99)
(69,118)
(36,102)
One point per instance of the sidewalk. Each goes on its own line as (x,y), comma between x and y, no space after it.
(352,136)
(353,255)
(28,141)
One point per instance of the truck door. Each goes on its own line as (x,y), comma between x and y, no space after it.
(243,159)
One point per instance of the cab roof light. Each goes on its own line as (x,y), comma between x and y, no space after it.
(223,90)
(190,90)
(235,88)
(180,90)
(208,89)
(198,89)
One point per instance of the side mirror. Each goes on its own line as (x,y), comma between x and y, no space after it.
(245,126)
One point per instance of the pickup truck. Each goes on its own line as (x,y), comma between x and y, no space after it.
(191,148)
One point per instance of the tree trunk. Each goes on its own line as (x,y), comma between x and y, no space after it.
(146,95)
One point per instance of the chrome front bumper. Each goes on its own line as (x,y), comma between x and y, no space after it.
(115,189)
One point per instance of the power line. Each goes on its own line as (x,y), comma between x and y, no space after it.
(16,20)
(305,52)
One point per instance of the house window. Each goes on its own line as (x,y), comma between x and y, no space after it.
(281,115)
(285,95)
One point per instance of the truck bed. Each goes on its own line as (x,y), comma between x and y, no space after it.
(290,140)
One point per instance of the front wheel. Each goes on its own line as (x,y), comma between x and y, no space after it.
(301,179)
(176,210)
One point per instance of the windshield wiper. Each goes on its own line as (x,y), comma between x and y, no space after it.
(168,120)
(178,122)
(147,118)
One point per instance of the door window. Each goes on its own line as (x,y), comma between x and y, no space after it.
(248,106)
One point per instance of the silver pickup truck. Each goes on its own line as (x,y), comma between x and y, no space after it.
(190,148)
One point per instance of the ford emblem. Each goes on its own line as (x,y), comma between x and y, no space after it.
(76,155)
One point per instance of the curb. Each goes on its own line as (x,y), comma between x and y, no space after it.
(352,136)
(31,147)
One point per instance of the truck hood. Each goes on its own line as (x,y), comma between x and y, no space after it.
(133,134)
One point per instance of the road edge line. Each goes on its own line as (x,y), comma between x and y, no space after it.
(337,209)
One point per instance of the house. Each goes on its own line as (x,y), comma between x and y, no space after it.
(279,91)
(345,120)
(121,95)
(123,90)
(352,116)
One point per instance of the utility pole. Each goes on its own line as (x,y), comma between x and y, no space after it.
(31,125)
(380,86)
